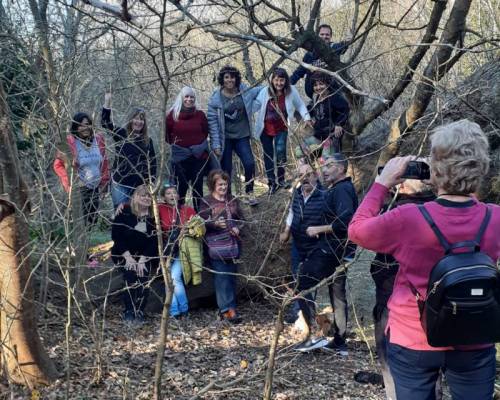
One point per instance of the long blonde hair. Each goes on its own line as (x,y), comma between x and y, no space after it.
(177,106)
(134,207)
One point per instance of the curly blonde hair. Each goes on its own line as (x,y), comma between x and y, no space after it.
(459,157)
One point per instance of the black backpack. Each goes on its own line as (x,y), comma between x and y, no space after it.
(463,295)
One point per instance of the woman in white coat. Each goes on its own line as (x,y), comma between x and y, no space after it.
(275,106)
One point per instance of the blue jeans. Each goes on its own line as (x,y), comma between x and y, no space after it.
(179,299)
(242,148)
(120,194)
(274,148)
(225,284)
(470,374)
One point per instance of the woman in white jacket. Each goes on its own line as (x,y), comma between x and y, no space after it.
(275,106)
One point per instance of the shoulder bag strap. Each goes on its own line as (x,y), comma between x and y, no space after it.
(229,215)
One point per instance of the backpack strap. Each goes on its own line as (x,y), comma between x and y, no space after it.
(482,228)
(430,221)
(449,247)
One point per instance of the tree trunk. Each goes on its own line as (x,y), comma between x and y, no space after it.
(23,358)
(441,62)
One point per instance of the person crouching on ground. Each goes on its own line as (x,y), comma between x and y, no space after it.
(458,162)
(173,217)
(222,213)
(135,251)
(329,111)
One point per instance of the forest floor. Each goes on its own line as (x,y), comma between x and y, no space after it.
(204,357)
(201,350)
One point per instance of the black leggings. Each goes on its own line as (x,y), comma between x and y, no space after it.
(190,172)
(90,205)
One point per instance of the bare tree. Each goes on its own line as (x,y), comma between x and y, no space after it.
(23,356)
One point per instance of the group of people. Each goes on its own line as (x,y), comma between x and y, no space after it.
(324,219)
(200,144)
(430,225)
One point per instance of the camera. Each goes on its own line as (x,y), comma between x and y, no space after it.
(415,170)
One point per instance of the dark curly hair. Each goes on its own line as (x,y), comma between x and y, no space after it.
(319,76)
(77,120)
(229,69)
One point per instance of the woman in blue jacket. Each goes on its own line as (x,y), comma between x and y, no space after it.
(229,123)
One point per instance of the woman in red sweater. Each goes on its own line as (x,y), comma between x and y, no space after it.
(459,160)
(187,132)
(173,217)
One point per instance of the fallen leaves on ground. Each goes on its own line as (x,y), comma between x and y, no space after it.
(199,350)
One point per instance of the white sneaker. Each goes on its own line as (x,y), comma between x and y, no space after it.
(312,344)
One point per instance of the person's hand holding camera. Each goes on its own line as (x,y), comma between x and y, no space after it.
(393,171)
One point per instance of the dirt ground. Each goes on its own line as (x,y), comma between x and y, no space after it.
(202,350)
(117,361)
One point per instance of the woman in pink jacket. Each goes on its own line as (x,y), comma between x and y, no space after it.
(458,162)
(89,165)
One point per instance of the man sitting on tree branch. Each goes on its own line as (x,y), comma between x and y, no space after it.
(325,33)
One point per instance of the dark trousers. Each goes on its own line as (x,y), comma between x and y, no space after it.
(383,271)
(274,149)
(90,205)
(244,151)
(338,300)
(296,259)
(316,267)
(470,374)
(225,284)
(136,291)
(190,172)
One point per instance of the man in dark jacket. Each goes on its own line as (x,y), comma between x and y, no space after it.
(325,33)
(305,210)
(340,203)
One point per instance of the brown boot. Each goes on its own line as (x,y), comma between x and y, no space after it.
(231,316)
